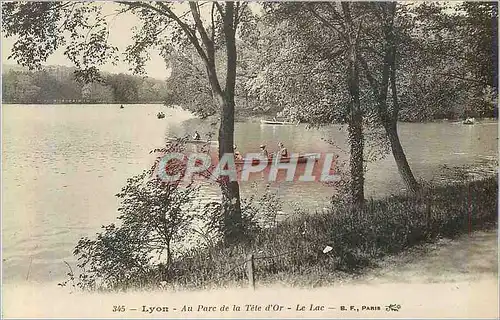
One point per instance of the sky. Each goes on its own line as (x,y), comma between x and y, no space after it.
(120,36)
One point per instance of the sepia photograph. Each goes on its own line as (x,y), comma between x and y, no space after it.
(274,159)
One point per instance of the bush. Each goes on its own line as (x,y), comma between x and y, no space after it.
(293,249)
(153,215)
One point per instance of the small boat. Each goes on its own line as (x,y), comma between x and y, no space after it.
(469,121)
(300,159)
(122,107)
(192,141)
(278,123)
(160,115)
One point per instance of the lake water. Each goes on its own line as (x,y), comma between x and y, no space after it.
(62,166)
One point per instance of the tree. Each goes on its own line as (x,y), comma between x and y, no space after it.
(361,37)
(320,57)
(125,87)
(449,56)
(152,90)
(187,85)
(41,28)
(18,86)
(385,13)
(356,113)
(222,26)
(477,28)
(97,93)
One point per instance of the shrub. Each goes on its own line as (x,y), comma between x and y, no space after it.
(153,215)
(293,249)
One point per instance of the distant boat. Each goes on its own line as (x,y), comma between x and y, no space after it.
(160,115)
(122,107)
(279,123)
(469,121)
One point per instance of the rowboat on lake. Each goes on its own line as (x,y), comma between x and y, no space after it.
(300,159)
(278,123)
(469,121)
(192,141)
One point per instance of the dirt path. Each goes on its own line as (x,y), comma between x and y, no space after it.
(454,279)
(468,258)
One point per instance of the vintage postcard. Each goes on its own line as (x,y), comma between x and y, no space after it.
(249,159)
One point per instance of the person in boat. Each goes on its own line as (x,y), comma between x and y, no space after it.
(237,154)
(263,151)
(282,151)
(196,136)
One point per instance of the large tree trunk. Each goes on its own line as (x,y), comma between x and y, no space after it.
(233,228)
(355,118)
(400,157)
(231,206)
(356,158)
(389,119)
(224,99)
(391,130)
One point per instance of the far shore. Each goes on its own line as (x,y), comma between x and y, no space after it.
(81,103)
(242,117)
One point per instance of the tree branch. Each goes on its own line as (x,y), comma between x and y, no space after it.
(213,22)
(167,12)
(201,29)
(464,78)
(324,21)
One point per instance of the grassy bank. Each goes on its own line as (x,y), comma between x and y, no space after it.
(292,252)
(304,249)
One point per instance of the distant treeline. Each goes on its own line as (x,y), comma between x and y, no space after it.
(57,84)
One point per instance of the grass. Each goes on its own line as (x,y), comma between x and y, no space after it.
(292,252)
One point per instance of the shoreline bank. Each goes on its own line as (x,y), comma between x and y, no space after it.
(463,288)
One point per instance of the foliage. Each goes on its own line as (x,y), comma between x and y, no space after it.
(153,216)
(158,224)
(293,249)
(266,208)
(43,27)
(296,78)
(187,85)
(58,84)
(449,66)
(445,64)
